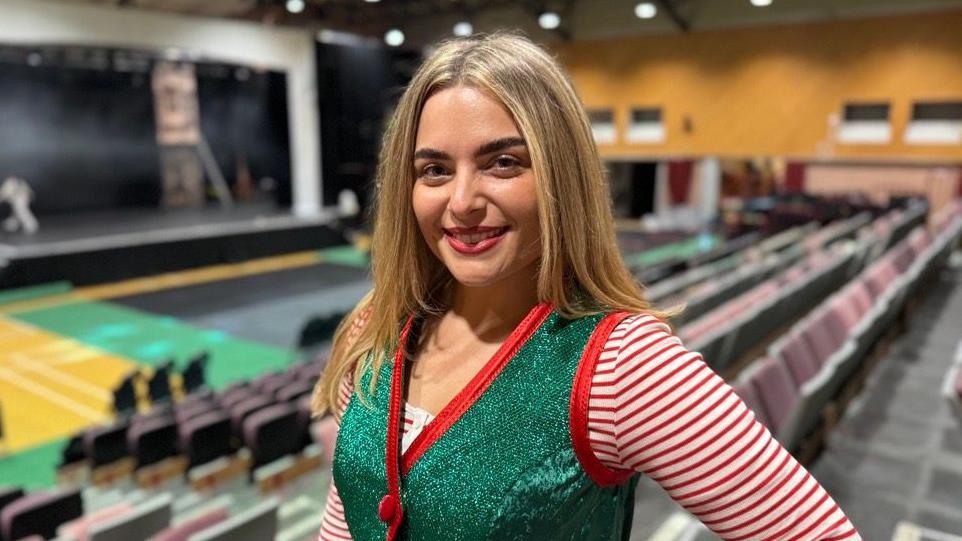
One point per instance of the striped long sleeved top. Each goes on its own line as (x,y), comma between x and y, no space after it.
(657,408)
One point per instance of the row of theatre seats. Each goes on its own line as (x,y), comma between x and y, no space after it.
(804,273)
(148,520)
(800,386)
(702,289)
(257,431)
(787,219)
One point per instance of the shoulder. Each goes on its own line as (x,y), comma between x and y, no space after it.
(633,324)
(636,340)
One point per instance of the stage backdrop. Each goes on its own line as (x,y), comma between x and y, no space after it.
(79,126)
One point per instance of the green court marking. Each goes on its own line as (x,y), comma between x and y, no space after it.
(34,292)
(147,339)
(345,255)
(687,248)
(150,339)
(33,468)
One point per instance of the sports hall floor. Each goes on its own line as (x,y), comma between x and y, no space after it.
(63,348)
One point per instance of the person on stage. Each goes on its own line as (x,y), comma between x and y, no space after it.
(505,378)
(17,193)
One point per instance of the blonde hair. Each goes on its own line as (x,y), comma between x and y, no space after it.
(581,270)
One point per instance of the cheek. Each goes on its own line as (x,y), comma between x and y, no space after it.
(522,204)
(427,211)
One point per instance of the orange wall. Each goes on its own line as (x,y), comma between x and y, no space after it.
(772,90)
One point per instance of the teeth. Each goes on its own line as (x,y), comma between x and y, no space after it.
(474,238)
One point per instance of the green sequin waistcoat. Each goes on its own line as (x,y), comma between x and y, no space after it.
(505,470)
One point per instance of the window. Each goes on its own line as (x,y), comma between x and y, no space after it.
(602,125)
(646,126)
(865,123)
(935,123)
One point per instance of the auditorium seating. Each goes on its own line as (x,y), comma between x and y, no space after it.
(39,513)
(152,440)
(143,521)
(206,437)
(255,524)
(807,369)
(272,432)
(184,530)
(80,528)
(733,329)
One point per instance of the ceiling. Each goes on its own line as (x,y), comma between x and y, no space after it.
(425,21)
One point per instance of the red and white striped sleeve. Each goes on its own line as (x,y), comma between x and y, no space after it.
(657,408)
(333,521)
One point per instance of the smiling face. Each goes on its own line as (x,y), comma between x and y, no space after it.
(474,193)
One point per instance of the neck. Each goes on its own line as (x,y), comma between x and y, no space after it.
(494,311)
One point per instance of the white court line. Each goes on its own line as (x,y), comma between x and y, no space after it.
(71,381)
(54,347)
(79,356)
(16,332)
(39,390)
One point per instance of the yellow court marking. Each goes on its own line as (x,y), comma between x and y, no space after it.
(53,386)
(169,280)
(43,396)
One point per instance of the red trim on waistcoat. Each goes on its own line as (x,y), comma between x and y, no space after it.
(392,455)
(580,394)
(476,387)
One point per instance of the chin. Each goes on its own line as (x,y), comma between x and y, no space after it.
(472,279)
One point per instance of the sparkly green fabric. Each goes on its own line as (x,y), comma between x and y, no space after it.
(505,470)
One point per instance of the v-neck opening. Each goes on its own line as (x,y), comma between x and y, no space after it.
(475,388)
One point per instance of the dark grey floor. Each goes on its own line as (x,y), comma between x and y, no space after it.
(268,308)
(897,454)
(74,226)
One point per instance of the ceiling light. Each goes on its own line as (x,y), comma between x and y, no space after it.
(549,20)
(295,6)
(761,3)
(372,1)
(463,29)
(646,10)
(394,37)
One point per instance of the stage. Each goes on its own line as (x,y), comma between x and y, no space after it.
(93,248)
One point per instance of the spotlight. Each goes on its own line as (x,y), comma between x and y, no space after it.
(394,37)
(295,6)
(549,20)
(646,10)
(761,3)
(463,28)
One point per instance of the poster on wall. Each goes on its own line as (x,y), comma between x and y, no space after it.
(178,134)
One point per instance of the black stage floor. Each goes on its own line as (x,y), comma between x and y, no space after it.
(100,247)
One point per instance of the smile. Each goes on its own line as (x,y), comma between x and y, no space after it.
(473,240)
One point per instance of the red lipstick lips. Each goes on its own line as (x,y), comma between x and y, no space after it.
(473,240)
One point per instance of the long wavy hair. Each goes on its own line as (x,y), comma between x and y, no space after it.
(581,271)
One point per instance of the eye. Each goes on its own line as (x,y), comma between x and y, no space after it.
(433,171)
(506,162)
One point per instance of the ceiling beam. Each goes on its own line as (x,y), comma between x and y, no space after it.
(671,9)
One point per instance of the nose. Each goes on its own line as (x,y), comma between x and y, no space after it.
(466,198)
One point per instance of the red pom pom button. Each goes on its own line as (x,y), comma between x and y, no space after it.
(387,507)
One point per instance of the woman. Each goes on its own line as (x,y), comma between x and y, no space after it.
(505,379)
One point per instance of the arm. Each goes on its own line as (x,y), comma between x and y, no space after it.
(333,522)
(657,408)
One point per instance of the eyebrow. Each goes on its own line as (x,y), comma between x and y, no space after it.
(487,148)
